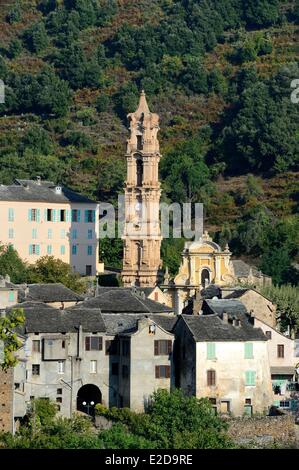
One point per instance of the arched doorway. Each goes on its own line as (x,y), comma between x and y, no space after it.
(205,278)
(88,396)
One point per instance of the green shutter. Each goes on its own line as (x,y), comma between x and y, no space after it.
(30,249)
(79,215)
(93,215)
(38,215)
(250,377)
(29,215)
(37,250)
(248,347)
(211,351)
(86,216)
(45,215)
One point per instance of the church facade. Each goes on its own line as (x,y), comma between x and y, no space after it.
(142,235)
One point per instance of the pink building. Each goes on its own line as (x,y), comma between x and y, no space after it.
(41,218)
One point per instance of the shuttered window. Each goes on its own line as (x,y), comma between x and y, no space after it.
(250,377)
(211,351)
(280,351)
(93,343)
(211,378)
(162,347)
(162,372)
(248,350)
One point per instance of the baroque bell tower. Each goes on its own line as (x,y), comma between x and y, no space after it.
(142,234)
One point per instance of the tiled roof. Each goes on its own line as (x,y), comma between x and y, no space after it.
(123,323)
(29,190)
(124,300)
(213,328)
(52,293)
(218,306)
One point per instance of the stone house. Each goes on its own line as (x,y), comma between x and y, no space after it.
(94,352)
(55,295)
(223,357)
(8,292)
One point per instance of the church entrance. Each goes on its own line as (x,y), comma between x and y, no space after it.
(205,278)
(88,396)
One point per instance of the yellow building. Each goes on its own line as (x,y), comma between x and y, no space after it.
(204,263)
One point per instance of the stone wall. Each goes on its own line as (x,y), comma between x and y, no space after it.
(6,400)
(264,431)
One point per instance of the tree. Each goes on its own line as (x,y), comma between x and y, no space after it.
(15,14)
(8,335)
(11,264)
(172,421)
(261,13)
(15,48)
(50,270)
(36,37)
(286,298)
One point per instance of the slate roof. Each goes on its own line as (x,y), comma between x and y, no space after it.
(52,293)
(30,190)
(211,291)
(125,324)
(213,328)
(124,300)
(231,306)
(41,318)
(242,269)
(236,294)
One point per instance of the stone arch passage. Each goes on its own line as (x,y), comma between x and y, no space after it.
(88,396)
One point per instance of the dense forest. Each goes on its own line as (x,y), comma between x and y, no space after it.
(218,72)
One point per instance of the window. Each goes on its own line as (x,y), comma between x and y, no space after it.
(248,350)
(213,402)
(162,347)
(125,371)
(49,249)
(62,249)
(61,367)
(156,296)
(62,233)
(89,216)
(93,367)
(11,215)
(211,351)
(34,215)
(58,399)
(62,217)
(34,233)
(111,347)
(50,233)
(74,249)
(139,142)
(36,345)
(10,233)
(269,334)
(93,343)
(162,372)
(75,215)
(126,348)
(280,351)
(247,401)
(139,172)
(284,404)
(49,215)
(17,386)
(34,250)
(35,369)
(89,234)
(74,234)
(114,368)
(63,344)
(250,378)
(88,270)
(89,250)
(11,296)
(211,378)
(59,391)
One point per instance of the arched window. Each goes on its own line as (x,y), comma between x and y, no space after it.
(139,172)
(139,253)
(205,277)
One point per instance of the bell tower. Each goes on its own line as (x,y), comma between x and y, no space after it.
(142,235)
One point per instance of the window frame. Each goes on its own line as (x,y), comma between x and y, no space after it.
(89,340)
(162,347)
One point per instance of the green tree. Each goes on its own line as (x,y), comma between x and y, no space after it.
(15,48)
(260,13)
(15,14)
(286,299)
(8,335)
(11,264)
(50,270)
(36,38)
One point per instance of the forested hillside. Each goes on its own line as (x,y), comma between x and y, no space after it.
(218,72)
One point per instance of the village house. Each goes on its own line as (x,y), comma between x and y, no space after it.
(42,218)
(224,358)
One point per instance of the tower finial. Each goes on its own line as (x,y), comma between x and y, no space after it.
(142,106)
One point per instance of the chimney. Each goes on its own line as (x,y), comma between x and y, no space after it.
(38,180)
(58,189)
(7,278)
(237,323)
(197,304)
(225,317)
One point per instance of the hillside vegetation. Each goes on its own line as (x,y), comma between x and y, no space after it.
(219,74)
